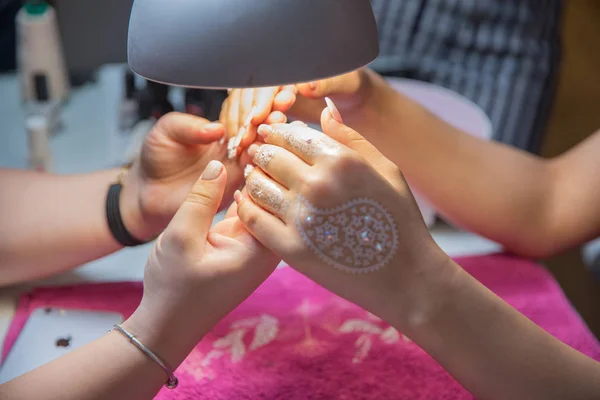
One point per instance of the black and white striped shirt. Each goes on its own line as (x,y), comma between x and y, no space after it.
(502,54)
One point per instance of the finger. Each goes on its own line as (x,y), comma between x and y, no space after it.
(281,165)
(232,210)
(248,98)
(284,101)
(214,127)
(191,223)
(244,159)
(247,102)
(265,227)
(308,144)
(224,113)
(333,126)
(264,104)
(276,117)
(344,84)
(248,155)
(233,105)
(248,132)
(249,136)
(188,129)
(267,193)
(291,88)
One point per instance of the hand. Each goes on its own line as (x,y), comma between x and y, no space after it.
(173,155)
(196,275)
(267,105)
(350,92)
(343,217)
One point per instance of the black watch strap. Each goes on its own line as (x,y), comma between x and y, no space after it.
(115,221)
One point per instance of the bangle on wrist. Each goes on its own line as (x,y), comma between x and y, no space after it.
(172,382)
(113,214)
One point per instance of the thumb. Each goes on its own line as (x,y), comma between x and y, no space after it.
(334,127)
(193,220)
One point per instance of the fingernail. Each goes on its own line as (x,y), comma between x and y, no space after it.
(237,196)
(253,149)
(212,171)
(213,126)
(298,123)
(239,137)
(248,170)
(250,116)
(231,149)
(335,113)
(312,85)
(265,130)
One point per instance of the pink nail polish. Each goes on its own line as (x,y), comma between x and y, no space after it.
(333,110)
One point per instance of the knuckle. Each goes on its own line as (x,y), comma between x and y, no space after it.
(252,220)
(200,197)
(343,164)
(317,184)
(338,170)
(347,162)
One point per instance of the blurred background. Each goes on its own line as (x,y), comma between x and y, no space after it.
(98,115)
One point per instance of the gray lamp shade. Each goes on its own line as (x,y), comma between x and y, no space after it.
(249,43)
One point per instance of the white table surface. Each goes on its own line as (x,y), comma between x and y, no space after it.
(90,142)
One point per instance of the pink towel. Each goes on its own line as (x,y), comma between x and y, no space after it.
(294,340)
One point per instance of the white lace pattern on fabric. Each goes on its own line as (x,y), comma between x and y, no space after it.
(357,237)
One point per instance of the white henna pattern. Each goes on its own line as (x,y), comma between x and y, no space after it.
(357,237)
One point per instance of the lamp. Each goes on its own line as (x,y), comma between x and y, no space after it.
(249,43)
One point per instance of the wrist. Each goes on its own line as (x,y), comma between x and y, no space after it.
(422,292)
(136,221)
(169,334)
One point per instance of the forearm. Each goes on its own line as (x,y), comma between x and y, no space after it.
(51,223)
(109,368)
(494,351)
(486,187)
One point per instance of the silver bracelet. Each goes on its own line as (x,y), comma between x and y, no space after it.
(173,381)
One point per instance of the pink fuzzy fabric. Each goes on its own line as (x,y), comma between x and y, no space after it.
(294,340)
